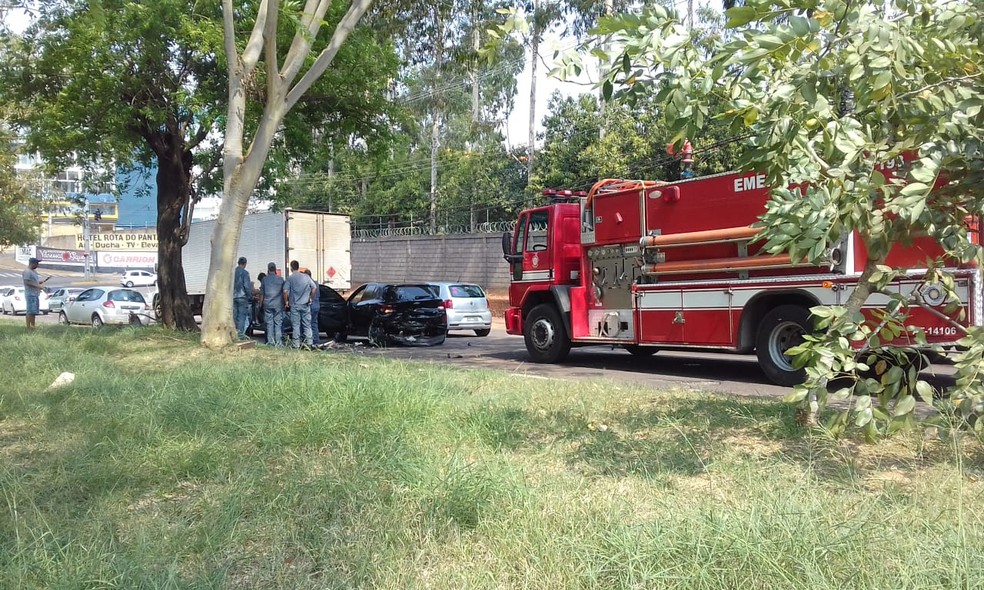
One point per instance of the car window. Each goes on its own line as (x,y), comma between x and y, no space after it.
(409,293)
(329,295)
(89,295)
(466,291)
(126,295)
(369,293)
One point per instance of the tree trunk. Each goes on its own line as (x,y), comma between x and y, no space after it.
(173,196)
(534,54)
(438,108)
(218,328)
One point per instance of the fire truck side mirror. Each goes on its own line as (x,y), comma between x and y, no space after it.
(507,252)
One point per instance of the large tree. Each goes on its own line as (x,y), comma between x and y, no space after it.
(267,75)
(829,93)
(118,83)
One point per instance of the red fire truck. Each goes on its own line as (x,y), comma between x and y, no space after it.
(648,265)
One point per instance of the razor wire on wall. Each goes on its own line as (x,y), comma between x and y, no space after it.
(420,230)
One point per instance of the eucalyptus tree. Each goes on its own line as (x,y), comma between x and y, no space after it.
(829,94)
(268,75)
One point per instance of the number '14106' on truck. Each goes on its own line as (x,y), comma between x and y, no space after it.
(651,265)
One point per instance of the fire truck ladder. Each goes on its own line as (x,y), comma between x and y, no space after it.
(741,264)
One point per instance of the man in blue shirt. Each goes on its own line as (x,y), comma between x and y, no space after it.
(272,303)
(315,310)
(300,290)
(242,294)
(32,292)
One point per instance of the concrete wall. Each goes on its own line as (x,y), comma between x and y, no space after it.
(472,258)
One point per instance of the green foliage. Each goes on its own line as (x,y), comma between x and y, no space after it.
(833,96)
(384,180)
(20,207)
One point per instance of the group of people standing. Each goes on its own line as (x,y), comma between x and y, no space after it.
(297,296)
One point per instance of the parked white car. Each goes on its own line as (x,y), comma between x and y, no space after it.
(138,278)
(12,301)
(61,296)
(467,307)
(106,305)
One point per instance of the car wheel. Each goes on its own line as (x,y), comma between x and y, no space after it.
(545,335)
(129,284)
(781,329)
(63,319)
(484,332)
(96,321)
(377,335)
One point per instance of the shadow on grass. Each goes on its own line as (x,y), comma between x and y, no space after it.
(673,436)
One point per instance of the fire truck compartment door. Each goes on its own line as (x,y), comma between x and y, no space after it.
(661,316)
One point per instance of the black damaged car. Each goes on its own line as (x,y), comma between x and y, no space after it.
(411,314)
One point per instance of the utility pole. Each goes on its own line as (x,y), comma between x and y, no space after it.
(85,239)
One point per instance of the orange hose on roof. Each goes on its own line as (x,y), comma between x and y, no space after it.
(721,265)
(619,185)
(710,236)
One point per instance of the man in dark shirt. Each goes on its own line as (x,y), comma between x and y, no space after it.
(242,294)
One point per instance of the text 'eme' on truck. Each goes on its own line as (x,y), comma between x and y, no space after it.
(650,265)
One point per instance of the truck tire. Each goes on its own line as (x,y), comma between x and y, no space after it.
(545,335)
(636,350)
(781,329)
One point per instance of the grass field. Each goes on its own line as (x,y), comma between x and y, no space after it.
(167,466)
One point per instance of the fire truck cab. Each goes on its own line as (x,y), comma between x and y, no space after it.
(649,265)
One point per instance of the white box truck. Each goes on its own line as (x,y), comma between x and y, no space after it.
(319,241)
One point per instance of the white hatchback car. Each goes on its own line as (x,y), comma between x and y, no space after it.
(12,301)
(106,305)
(138,278)
(467,307)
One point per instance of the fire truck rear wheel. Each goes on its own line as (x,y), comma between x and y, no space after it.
(781,329)
(546,337)
(636,350)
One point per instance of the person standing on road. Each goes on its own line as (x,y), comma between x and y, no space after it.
(272,304)
(32,291)
(315,309)
(242,293)
(300,290)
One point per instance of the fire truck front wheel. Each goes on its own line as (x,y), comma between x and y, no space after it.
(546,337)
(781,329)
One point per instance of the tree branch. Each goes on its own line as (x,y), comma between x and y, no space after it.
(938,84)
(342,31)
(254,46)
(270,35)
(311,21)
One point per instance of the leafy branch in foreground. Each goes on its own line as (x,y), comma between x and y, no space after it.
(871,115)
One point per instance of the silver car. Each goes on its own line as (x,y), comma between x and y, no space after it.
(62,295)
(467,307)
(106,305)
